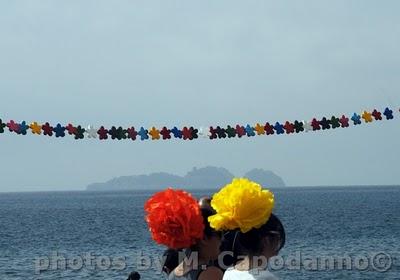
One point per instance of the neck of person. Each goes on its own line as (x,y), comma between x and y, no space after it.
(192,262)
(203,257)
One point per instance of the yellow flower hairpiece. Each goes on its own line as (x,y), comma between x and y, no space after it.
(242,204)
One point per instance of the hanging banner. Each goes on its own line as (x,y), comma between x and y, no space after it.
(191,133)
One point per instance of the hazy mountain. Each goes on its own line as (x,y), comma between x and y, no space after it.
(152,181)
(265,178)
(206,177)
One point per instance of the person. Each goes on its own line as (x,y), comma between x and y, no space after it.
(253,249)
(253,233)
(176,220)
(226,260)
(206,251)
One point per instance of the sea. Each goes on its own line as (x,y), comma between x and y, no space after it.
(332,233)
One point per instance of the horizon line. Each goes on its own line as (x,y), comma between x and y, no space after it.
(197,188)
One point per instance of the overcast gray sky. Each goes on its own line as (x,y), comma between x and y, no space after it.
(200,63)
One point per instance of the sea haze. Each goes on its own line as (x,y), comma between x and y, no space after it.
(319,221)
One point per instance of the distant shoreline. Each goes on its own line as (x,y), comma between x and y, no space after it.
(196,178)
(200,189)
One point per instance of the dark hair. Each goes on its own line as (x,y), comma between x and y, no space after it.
(171,260)
(228,246)
(134,276)
(251,242)
(208,230)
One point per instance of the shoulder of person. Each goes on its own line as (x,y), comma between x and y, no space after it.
(211,273)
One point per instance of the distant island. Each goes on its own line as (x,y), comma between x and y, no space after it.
(198,178)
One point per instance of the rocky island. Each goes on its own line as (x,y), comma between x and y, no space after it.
(198,178)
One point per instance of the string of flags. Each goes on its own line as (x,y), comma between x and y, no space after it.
(190,133)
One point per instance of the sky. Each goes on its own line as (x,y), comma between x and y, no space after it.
(198,63)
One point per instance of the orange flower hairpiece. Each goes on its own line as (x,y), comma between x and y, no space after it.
(174,218)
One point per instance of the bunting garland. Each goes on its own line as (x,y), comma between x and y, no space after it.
(191,133)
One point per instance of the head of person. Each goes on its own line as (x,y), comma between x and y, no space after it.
(267,240)
(209,246)
(205,203)
(244,212)
(176,220)
(134,276)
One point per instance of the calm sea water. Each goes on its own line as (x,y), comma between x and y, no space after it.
(101,235)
